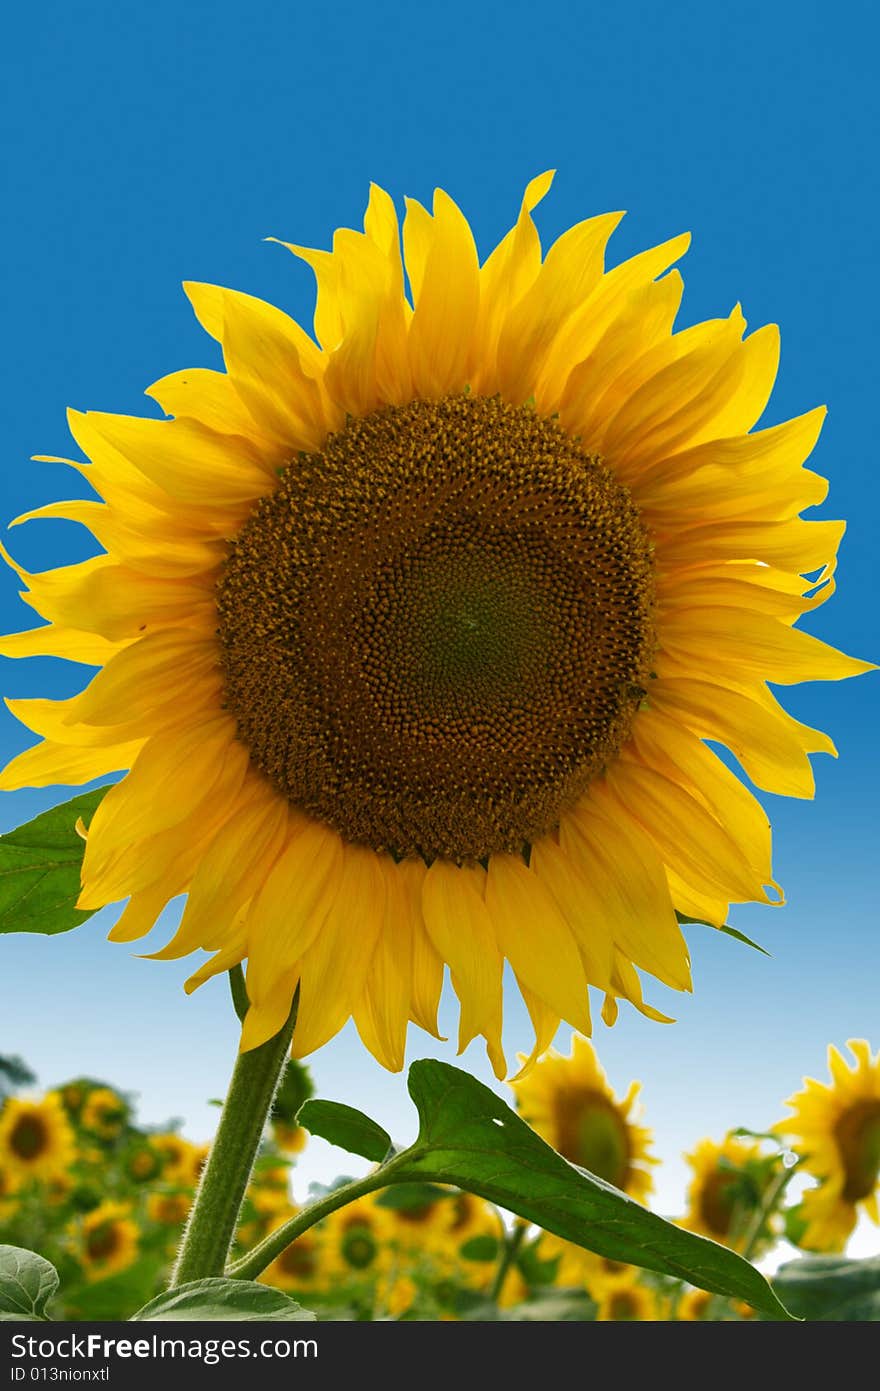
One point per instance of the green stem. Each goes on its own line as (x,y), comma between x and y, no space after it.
(752,1234)
(211,1227)
(513,1242)
(254,1262)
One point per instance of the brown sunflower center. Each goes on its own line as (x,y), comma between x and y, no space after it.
(623,1306)
(719,1200)
(435,632)
(103,1241)
(29,1138)
(858,1139)
(300,1261)
(591,1133)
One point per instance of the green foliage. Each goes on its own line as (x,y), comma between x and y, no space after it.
(295,1088)
(27,1283)
(40,869)
(219,1299)
(14,1073)
(346,1127)
(726,929)
(831,1288)
(469,1138)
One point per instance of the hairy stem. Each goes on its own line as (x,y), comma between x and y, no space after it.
(211,1226)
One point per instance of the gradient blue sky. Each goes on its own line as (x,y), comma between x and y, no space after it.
(148,145)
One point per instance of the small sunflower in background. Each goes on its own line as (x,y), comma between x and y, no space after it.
(143,1162)
(301,1265)
(420,1221)
(424,622)
(176,1156)
(355,1241)
(570,1104)
(169,1209)
(36,1139)
(835,1127)
(633,1302)
(290,1139)
(105,1113)
(694,1305)
(727,1189)
(9,1185)
(601,1274)
(107,1240)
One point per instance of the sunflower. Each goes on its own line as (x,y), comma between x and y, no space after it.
(170,1209)
(727,1188)
(468,1216)
(421,1223)
(568,1101)
(423,624)
(143,1163)
(836,1128)
(290,1139)
(355,1240)
(694,1305)
(601,1273)
(105,1113)
(9,1185)
(108,1240)
(36,1140)
(176,1156)
(627,1303)
(300,1266)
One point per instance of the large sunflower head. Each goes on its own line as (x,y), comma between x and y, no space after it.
(36,1139)
(569,1103)
(835,1127)
(421,623)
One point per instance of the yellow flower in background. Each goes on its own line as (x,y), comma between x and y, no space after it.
(269,1188)
(143,1163)
(421,1225)
(108,1240)
(36,1140)
(468,1216)
(835,1127)
(301,1265)
(726,1190)
(9,1185)
(601,1274)
(355,1240)
(290,1139)
(628,1303)
(568,1101)
(177,1157)
(398,1296)
(425,624)
(104,1113)
(694,1305)
(171,1209)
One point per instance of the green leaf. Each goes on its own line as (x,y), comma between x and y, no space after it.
(40,869)
(412,1195)
(346,1127)
(831,1288)
(27,1283)
(219,1299)
(115,1295)
(557,1306)
(481,1248)
(726,929)
(469,1138)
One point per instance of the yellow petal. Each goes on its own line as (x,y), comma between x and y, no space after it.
(291,908)
(622,875)
(49,764)
(460,930)
(335,966)
(446,304)
(754,644)
(536,939)
(382,1012)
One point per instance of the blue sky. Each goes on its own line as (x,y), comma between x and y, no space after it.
(147,146)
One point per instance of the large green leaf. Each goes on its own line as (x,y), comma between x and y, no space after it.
(218,1299)
(468,1137)
(344,1126)
(831,1288)
(27,1283)
(40,866)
